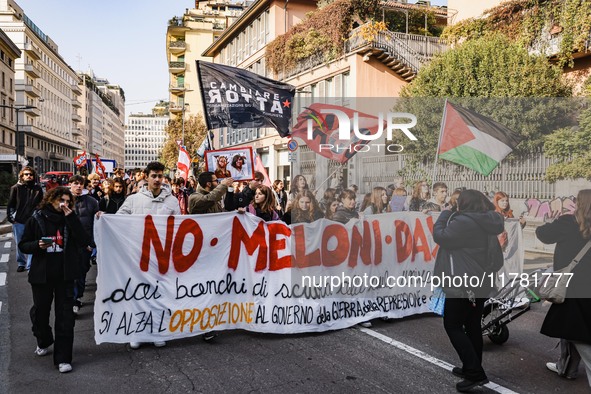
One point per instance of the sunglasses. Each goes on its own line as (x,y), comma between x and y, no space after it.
(27,174)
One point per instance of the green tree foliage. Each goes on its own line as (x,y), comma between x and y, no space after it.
(195,132)
(488,67)
(571,147)
(531,23)
(321,35)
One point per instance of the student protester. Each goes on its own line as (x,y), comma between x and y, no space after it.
(54,236)
(463,236)
(329,195)
(419,197)
(364,202)
(208,199)
(437,203)
(378,202)
(297,186)
(114,197)
(24,196)
(86,208)
(95,190)
(151,199)
(347,210)
(280,197)
(179,192)
(305,209)
(501,202)
(263,205)
(133,186)
(571,320)
(332,208)
(209,194)
(235,199)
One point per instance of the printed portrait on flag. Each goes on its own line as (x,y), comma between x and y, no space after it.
(237,163)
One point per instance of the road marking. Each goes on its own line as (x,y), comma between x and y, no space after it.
(7,244)
(2,278)
(0,306)
(422,355)
(4,258)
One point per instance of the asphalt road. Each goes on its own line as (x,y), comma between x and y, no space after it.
(399,356)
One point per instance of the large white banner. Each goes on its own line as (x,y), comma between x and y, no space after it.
(167,277)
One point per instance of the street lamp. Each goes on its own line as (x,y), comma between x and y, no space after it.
(16,131)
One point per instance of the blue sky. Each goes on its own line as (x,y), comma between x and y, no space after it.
(121,40)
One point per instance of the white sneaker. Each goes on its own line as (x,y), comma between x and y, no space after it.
(366,324)
(552,367)
(160,343)
(135,345)
(41,351)
(65,367)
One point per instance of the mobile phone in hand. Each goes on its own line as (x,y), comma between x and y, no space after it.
(47,240)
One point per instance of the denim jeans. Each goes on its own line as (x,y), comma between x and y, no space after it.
(23,260)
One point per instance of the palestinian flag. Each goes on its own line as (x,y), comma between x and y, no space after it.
(473,140)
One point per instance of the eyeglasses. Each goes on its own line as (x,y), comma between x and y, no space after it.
(27,174)
(215,180)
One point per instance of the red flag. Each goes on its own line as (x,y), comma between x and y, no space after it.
(183,163)
(100,168)
(80,160)
(258,166)
(324,128)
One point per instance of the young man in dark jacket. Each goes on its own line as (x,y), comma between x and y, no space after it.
(24,198)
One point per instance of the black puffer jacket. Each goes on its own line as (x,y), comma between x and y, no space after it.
(46,222)
(572,319)
(463,237)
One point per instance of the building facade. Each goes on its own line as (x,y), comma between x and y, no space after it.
(102,130)
(187,37)
(377,67)
(144,138)
(9,52)
(46,88)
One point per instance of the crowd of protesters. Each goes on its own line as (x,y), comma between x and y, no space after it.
(54,233)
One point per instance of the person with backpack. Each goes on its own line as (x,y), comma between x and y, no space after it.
(468,248)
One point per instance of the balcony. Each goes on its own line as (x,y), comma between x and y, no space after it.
(76,117)
(177,47)
(177,67)
(32,51)
(76,132)
(76,103)
(76,89)
(32,111)
(175,108)
(32,70)
(178,87)
(31,90)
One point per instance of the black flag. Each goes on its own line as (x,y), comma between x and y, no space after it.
(236,98)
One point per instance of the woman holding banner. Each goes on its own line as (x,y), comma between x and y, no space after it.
(463,238)
(263,204)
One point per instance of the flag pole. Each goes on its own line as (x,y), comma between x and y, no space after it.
(329,177)
(439,143)
(202,92)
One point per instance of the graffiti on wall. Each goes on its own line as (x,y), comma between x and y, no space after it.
(550,209)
